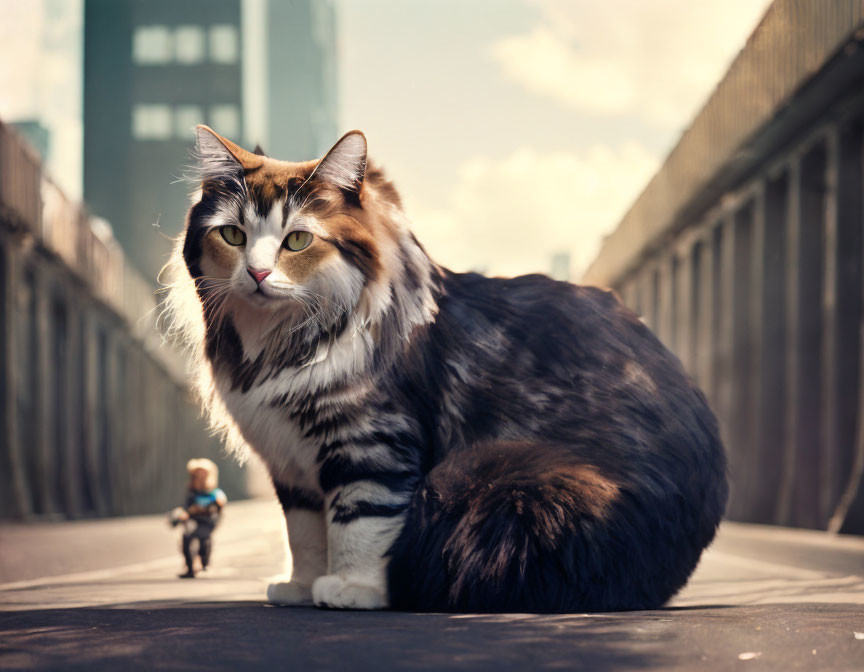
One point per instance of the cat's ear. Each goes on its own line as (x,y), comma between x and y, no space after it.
(259,151)
(345,164)
(220,159)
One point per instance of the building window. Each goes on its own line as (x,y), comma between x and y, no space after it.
(151,45)
(189,44)
(225,120)
(186,117)
(224,47)
(151,122)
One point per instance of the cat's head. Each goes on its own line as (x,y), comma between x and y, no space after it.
(290,239)
(295,258)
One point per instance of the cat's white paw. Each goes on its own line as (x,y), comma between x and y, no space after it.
(335,592)
(289,593)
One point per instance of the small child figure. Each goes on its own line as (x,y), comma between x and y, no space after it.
(201,513)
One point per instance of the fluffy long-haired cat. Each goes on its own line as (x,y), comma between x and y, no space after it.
(438,441)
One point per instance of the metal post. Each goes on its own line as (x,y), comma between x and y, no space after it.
(45,379)
(785,504)
(669,301)
(17,497)
(71,421)
(650,296)
(717,320)
(87,410)
(770,430)
(799,498)
(686,286)
(724,372)
(704,329)
(828,437)
(843,307)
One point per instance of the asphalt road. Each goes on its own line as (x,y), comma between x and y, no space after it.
(103,595)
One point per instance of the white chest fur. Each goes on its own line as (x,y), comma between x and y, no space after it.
(271,432)
(266,425)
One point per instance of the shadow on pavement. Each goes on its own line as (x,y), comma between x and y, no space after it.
(250,635)
(244,635)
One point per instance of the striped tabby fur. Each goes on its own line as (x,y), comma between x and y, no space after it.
(438,441)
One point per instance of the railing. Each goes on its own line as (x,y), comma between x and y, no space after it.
(95,416)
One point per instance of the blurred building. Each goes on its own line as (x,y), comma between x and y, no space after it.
(257,71)
(560,266)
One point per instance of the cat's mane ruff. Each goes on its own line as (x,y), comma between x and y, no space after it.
(182,322)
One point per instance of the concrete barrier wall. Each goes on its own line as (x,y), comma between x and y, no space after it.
(755,278)
(95,416)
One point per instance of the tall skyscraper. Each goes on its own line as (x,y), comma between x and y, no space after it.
(301,90)
(257,71)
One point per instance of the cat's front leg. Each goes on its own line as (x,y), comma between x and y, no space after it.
(307,543)
(363,520)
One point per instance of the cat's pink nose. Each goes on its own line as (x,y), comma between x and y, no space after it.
(257,276)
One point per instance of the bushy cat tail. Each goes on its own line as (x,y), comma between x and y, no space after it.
(515,527)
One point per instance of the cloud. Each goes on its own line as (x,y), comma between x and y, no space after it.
(656,60)
(509,216)
(544,63)
(20,35)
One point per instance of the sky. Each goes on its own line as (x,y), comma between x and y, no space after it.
(40,76)
(514,129)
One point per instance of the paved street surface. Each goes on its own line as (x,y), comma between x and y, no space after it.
(103,595)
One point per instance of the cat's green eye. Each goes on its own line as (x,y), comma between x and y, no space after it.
(298,240)
(233,235)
